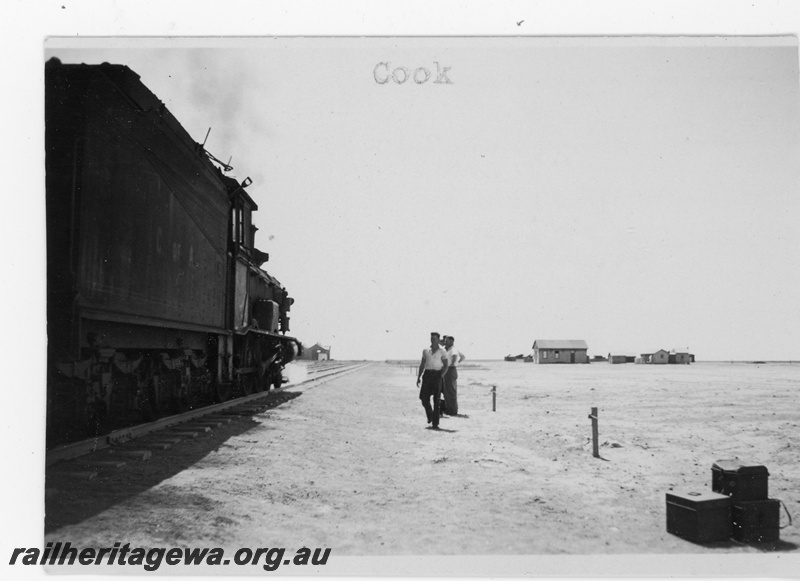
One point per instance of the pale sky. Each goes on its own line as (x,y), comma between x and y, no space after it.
(636,193)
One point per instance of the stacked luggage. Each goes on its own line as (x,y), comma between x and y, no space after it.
(738,507)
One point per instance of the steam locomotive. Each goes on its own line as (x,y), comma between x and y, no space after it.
(156,299)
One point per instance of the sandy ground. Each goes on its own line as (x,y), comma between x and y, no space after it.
(351,465)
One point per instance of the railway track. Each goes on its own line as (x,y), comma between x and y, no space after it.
(201,419)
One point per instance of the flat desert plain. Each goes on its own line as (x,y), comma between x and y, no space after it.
(350,464)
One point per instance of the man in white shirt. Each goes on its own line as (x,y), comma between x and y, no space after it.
(454,357)
(432,369)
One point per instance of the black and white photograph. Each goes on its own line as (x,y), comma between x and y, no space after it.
(510,295)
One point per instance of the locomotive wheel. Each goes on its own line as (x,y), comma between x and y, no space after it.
(263,382)
(148,406)
(180,394)
(202,390)
(262,378)
(247,382)
(148,409)
(180,404)
(223,391)
(99,421)
(66,408)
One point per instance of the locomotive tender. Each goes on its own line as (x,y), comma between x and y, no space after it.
(156,300)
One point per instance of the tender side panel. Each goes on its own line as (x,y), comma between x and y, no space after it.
(153,219)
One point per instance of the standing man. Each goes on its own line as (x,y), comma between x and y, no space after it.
(443,402)
(434,365)
(454,357)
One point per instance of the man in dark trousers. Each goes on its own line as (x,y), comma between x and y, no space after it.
(454,357)
(432,369)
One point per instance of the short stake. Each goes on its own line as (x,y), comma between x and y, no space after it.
(593,417)
(494,398)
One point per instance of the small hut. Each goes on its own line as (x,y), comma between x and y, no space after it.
(660,357)
(317,352)
(682,358)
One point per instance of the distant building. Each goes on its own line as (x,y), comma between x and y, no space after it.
(560,351)
(317,353)
(662,356)
(680,358)
(621,358)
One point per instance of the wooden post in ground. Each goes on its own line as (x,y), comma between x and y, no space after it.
(595,449)
(494,398)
